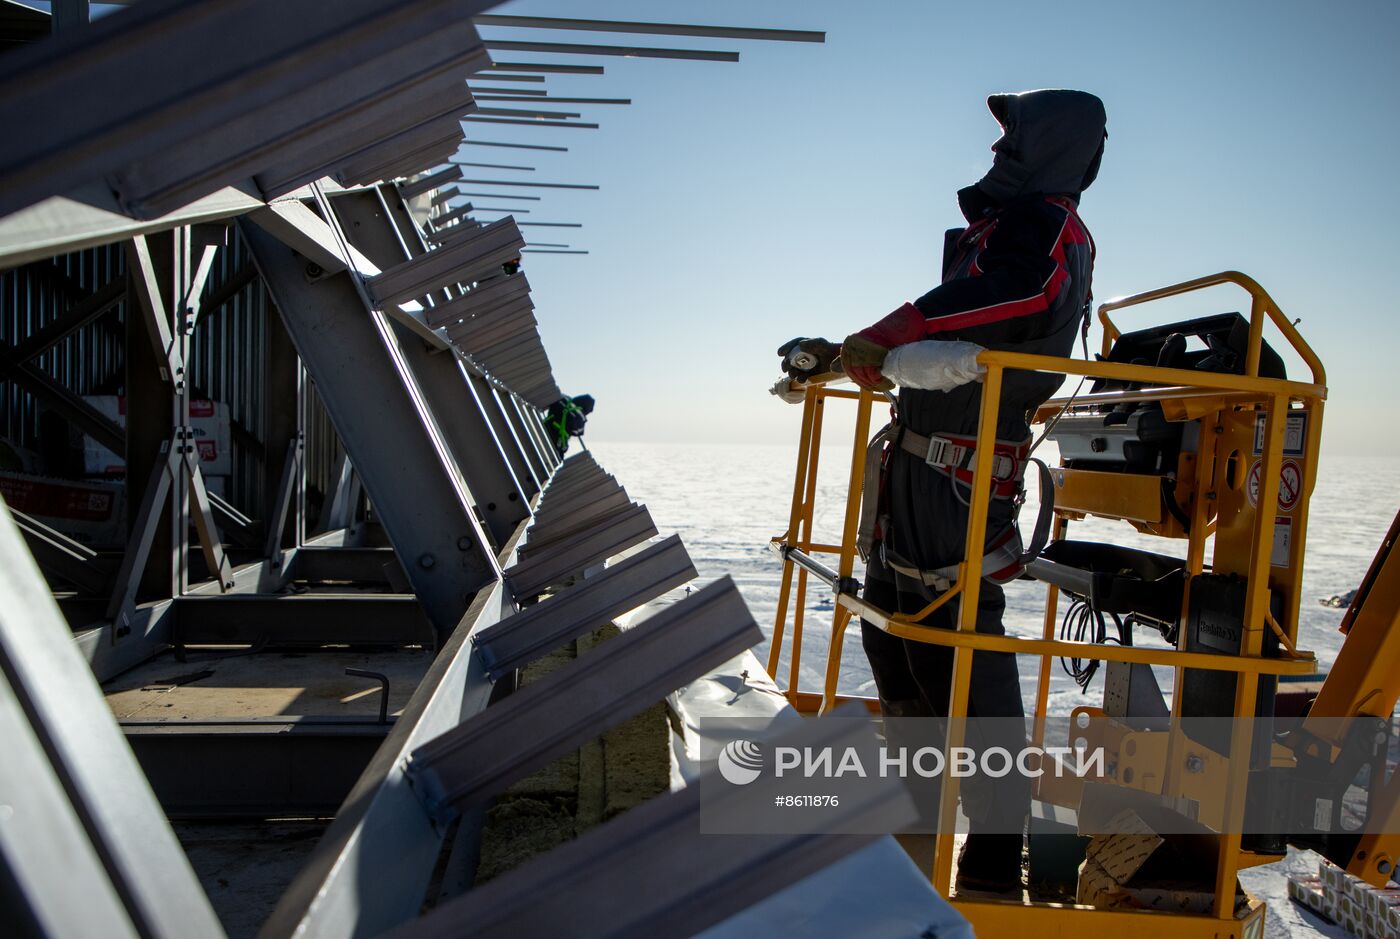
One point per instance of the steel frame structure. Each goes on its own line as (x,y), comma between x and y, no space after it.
(289,168)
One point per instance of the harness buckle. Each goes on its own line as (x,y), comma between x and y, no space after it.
(948,453)
(943,452)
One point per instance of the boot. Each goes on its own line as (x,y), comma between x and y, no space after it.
(989,866)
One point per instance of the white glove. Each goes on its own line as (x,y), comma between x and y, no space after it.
(934,364)
(783,389)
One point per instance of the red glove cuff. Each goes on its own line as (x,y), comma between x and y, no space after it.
(865,376)
(903,326)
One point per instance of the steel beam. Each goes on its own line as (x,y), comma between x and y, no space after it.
(300,620)
(210,88)
(532,577)
(90,216)
(57,884)
(528,122)
(459,212)
(397,125)
(532,450)
(72,408)
(73,319)
(277,767)
(380,414)
(545,537)
(487,296)
(653,871)
(63,557)
(480,253)
(539,629)
(505,436)
(544,448)
(411,152)
(442,177)
(444,383)
(491,327)
(579,701)
(653,29)
(631,52)
(346,890)
(542,67)
(66,711)
(353,565)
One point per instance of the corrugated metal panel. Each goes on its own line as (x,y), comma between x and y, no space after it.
(227,362)
(88,362)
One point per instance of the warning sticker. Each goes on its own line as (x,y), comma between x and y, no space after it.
(1290,484)
(1295,433)
(1283,542)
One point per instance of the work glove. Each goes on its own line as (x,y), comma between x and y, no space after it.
(863,353)
(934,364)
(803,358)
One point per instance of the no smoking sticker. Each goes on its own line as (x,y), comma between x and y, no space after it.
(1290,484)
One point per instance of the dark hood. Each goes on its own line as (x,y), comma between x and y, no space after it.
(1051,142)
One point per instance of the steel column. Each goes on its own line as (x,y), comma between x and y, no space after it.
(358,362)
(505,436)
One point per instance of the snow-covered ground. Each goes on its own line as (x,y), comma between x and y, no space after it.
(727,501)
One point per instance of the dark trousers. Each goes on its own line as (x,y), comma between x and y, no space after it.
(915,679)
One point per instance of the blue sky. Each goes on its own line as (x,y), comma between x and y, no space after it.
(804,190)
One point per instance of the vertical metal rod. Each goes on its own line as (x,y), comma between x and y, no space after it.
(1042,681)
(179,360)
(971,579)
(209,538)
(855,483)
(525,457)
(799,486)
(1256,606)
(272,547)
(1210,465)
(809,498)
(143,535)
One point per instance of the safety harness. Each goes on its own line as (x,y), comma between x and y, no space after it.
(955,455)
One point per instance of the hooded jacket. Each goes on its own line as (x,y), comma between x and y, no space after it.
(1017,278)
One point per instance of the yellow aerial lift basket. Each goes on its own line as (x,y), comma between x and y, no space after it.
(1241,478)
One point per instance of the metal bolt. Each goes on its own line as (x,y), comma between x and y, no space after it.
(1194,764)
(490,506)
(314,270)
(514,497)
(426,562)
(464,543)
(1385,867)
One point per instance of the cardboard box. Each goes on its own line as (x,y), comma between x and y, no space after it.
(1144,855)
(208,419)
(91,512)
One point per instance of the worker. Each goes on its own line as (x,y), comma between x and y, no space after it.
(1016,278)
(566,419)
